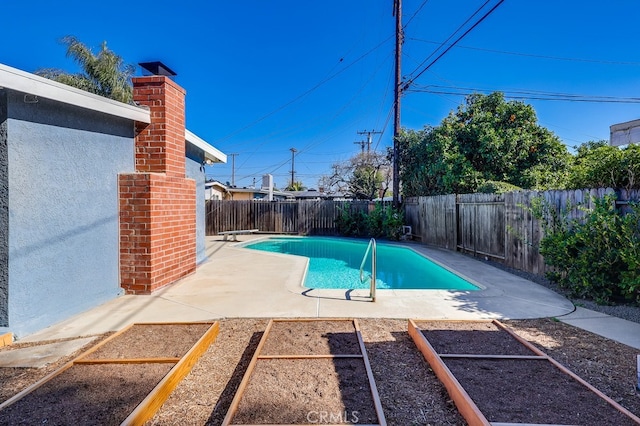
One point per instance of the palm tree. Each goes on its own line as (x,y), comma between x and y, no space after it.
(104,74)
(295,186)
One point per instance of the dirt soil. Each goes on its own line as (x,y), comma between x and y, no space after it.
(106,393)
(509,388)
(409,391)
(299,388)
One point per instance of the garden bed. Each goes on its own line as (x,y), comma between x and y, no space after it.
(495,376)
(409,391)
(308,372)
(122,380)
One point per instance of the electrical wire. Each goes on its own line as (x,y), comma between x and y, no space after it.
(531,55)
(445,43)
(302,95)
(526,94)
(415,13)
(412,79)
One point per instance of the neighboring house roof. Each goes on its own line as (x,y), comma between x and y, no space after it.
(216,183)
(315,195)
(22,81)
(210,153)
(259,191)
(308,194)
(625,133)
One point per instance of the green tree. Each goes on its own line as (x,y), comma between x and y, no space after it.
(104,74)
(295,186)
(598,165)
(487,139)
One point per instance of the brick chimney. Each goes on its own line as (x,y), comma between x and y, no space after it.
(157,203)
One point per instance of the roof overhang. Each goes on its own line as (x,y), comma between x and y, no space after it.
(21,81)
(210,153)
(625,133)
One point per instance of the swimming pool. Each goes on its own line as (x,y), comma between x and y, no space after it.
(334,263)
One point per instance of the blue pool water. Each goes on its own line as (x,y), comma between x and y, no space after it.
(335,263)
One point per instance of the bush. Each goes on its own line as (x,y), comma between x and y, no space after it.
(496,187)
(597,257)
(382,222)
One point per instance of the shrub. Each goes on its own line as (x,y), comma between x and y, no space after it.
(382,222)
(597,257)
(496,187)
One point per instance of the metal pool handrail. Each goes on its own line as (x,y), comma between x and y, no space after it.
(374,260)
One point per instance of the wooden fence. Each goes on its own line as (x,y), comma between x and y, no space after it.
(498,227)
(315,217)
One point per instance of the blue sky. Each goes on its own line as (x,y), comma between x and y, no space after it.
(266,76)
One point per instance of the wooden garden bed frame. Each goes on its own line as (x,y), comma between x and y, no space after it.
(257,357)
(461,398)
(154,400)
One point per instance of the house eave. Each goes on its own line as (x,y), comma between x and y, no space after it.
(210,153)
(28,83)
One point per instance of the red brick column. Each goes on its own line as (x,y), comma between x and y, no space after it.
(160,145)
(157,204)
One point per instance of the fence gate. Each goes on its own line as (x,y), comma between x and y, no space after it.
(481,225)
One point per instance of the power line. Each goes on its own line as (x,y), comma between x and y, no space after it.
(531,55)
(408,83)
(313,88)
(444,43)
(415,13)
(526,94)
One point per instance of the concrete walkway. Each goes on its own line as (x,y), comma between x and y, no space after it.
(618,329)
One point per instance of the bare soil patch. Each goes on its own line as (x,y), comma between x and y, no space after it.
(121,372)
(515,390)
(311,338)
(152,341)
(291,385)
(87,394)
(304,391)
(409,391)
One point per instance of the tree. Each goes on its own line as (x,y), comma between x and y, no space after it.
(295,186)
(598,165)
(104,74)
(365,176)
(487,139)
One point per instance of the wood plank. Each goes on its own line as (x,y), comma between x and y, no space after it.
(468,409)
(456,356)
(96,361)
(247,377)
(372,383)
(148,407)
(447,378)
(6,339)
(328,356)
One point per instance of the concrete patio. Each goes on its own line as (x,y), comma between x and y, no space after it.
(238,282)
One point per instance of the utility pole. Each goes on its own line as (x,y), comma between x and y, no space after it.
(397,11)
(369,139)
(233,169)
(293,172)
(361,143)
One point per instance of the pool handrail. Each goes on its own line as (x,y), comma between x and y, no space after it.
(374,260)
